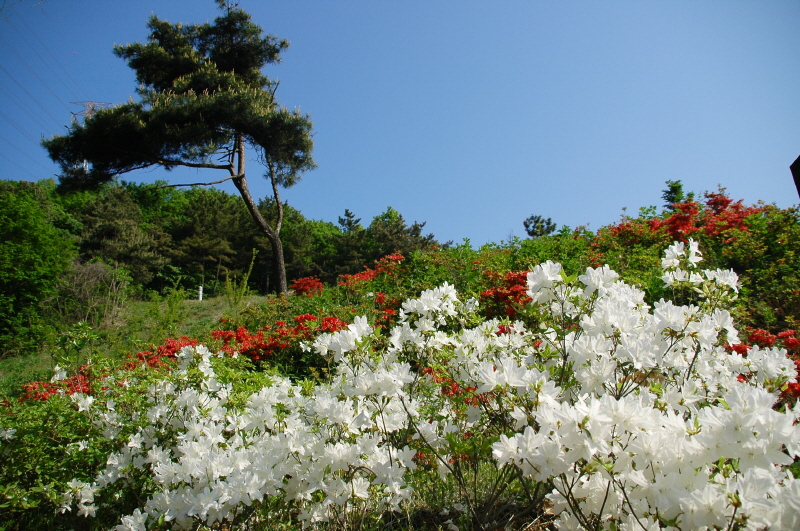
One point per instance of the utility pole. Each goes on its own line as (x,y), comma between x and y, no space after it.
(89,107)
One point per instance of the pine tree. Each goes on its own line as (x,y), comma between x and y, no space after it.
(537,226)
(203,100)
(674,194)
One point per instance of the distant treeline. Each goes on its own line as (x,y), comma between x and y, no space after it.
(69,253)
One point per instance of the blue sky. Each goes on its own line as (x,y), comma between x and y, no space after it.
(467,115)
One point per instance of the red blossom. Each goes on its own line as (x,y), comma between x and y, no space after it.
(740,348)
(358,278)
(308,286)
(332,324)
(509,296)
(793,390)
(762,337)
(719,215)
(504,329)
(79,383)
(387,265)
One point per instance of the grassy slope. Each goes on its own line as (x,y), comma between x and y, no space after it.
(138,326)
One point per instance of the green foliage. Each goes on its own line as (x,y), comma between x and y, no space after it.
(203,99)
(167,313)
(674,194)
(198,84)
(568,247)
(388,233)
(212,236)
(235,291)
(93,292)
(537,226)
(351,245)
(34,472)
(34,254)
(113,231)
(75,348)
(759,244)
(766,257)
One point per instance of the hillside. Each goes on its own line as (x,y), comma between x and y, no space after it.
(507,386)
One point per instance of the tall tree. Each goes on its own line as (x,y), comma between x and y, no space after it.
(537,226)
(113,231)
(673,194)
(34,255)
(203,100)
(388,233)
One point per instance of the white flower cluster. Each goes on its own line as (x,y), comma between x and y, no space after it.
(680,266)
(637,416)
(210,460)
(343,341)
(82,494)
(7,434)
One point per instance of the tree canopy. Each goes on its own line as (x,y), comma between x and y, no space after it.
(203,99)
(538,226)
(34,253)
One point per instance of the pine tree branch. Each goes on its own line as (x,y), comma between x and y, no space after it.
(170,162)
(198,184)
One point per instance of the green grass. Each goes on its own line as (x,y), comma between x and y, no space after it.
(139,326)
(17,370)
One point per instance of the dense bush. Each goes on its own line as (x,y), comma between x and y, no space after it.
(589,409)
(84,252)
(479,388)
(34,255)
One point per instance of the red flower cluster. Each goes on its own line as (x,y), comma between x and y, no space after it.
(44,390)
(164,352)
(765,339)
(308,286)
(261,345)
(682,223)
(386,309)
(358,278)
(270,339)
(450,387)
(787,340)
(724,214)
(595,255)
(507,296)
(332,324)
(504,329)
(387,265)
(82,382)
(424,459)
(719,214)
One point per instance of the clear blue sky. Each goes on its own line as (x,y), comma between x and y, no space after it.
(467,115)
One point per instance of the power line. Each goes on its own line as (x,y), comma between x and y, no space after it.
(53,73)
(34,73)
(18,127)
(31,96)
(90,107)
(56,61)
(21,105)
(20,167)
(26,155)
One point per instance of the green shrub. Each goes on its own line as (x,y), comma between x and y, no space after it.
(34,254)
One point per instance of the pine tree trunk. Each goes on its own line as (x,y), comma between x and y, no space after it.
(273,235)
(277,253)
